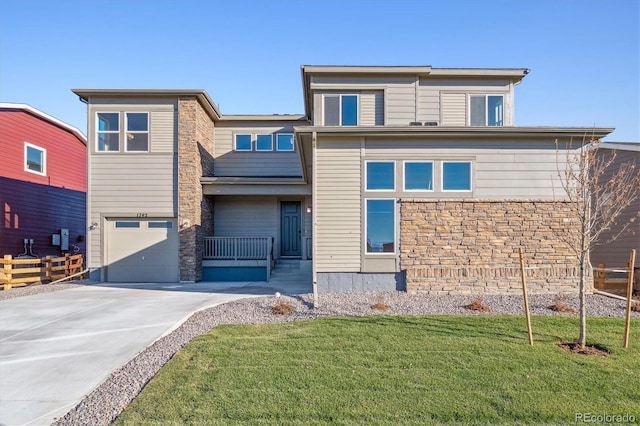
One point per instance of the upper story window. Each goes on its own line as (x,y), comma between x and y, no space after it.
(340,110)
(380,176)
(456,176)
(137,136)
(418,176)
(264,142)
(486,110)
(108,132)
(35,159)
(284,142)
(243,143)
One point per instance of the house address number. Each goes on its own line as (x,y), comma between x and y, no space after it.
(142,214)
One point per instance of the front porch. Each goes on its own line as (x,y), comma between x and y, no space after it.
(252,259)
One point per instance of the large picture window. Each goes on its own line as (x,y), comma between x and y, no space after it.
(486,110)
(108,132)
(456,176)
(380,175)
(340,110)
(418,176)
(35,159)
(137,136)
(380,225)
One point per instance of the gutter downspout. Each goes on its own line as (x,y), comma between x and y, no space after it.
(314,216)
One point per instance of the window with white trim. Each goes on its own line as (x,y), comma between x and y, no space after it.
(137,134)
(456,176)
(418,175)
(108,130)
(486,110)
(284,142)
(264,142)
(340,110)
(35,159)
(380,224)
(380,175)
(243,142)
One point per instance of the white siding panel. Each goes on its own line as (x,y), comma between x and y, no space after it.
(367,109)
(338,206)
(162,130)
(454,109)
(428,104)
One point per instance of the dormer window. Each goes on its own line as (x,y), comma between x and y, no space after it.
(486,110)
(340,110)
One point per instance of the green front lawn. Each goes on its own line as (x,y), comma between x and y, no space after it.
(394,370)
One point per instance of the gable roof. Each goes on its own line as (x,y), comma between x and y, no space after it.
(44,116)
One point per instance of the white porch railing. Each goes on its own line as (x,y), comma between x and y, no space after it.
(237,248)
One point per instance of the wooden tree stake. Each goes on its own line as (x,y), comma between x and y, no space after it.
(526,300)
(627,322)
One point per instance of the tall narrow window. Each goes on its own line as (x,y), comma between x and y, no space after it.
(137,136)
(340,110)
(380,176)
(381,225)
(264,142)
(486,110)
(284,142)
(456,176)
(108,132)
(418,176)
(35,159)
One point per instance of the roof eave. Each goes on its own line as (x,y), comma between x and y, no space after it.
(34,111)
(201,94)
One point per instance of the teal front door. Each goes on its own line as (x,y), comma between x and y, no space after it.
(290,218)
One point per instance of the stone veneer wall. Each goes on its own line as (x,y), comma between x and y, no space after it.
(195,159)
(471,247)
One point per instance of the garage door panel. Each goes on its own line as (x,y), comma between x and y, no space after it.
(142,250)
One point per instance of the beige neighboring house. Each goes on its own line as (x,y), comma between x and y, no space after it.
(395,177)
(615,254)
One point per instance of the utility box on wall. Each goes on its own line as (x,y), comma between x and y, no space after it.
(64,239)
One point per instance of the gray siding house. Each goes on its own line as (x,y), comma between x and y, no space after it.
(412,178)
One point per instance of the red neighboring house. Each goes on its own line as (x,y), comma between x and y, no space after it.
(43,184)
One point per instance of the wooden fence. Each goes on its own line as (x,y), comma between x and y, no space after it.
(20,272)
(614,280)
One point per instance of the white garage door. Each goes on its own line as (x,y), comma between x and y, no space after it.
(142,250)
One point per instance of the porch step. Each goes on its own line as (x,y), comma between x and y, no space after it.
(282,264)
(288,271)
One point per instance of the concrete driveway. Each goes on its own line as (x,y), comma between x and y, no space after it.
(56,347)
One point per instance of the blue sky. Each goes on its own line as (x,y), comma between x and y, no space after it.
(584,55)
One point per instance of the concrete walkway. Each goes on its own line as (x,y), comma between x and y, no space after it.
(56,347)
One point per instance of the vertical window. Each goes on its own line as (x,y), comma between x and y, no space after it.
(264,143)
(137,136)
(381,225)
(349,115)
(284,142)
(108,132)
(340,110)
(35,159)
(418,176)
(486,110)
(380,175)
(456,176)
(243,143)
